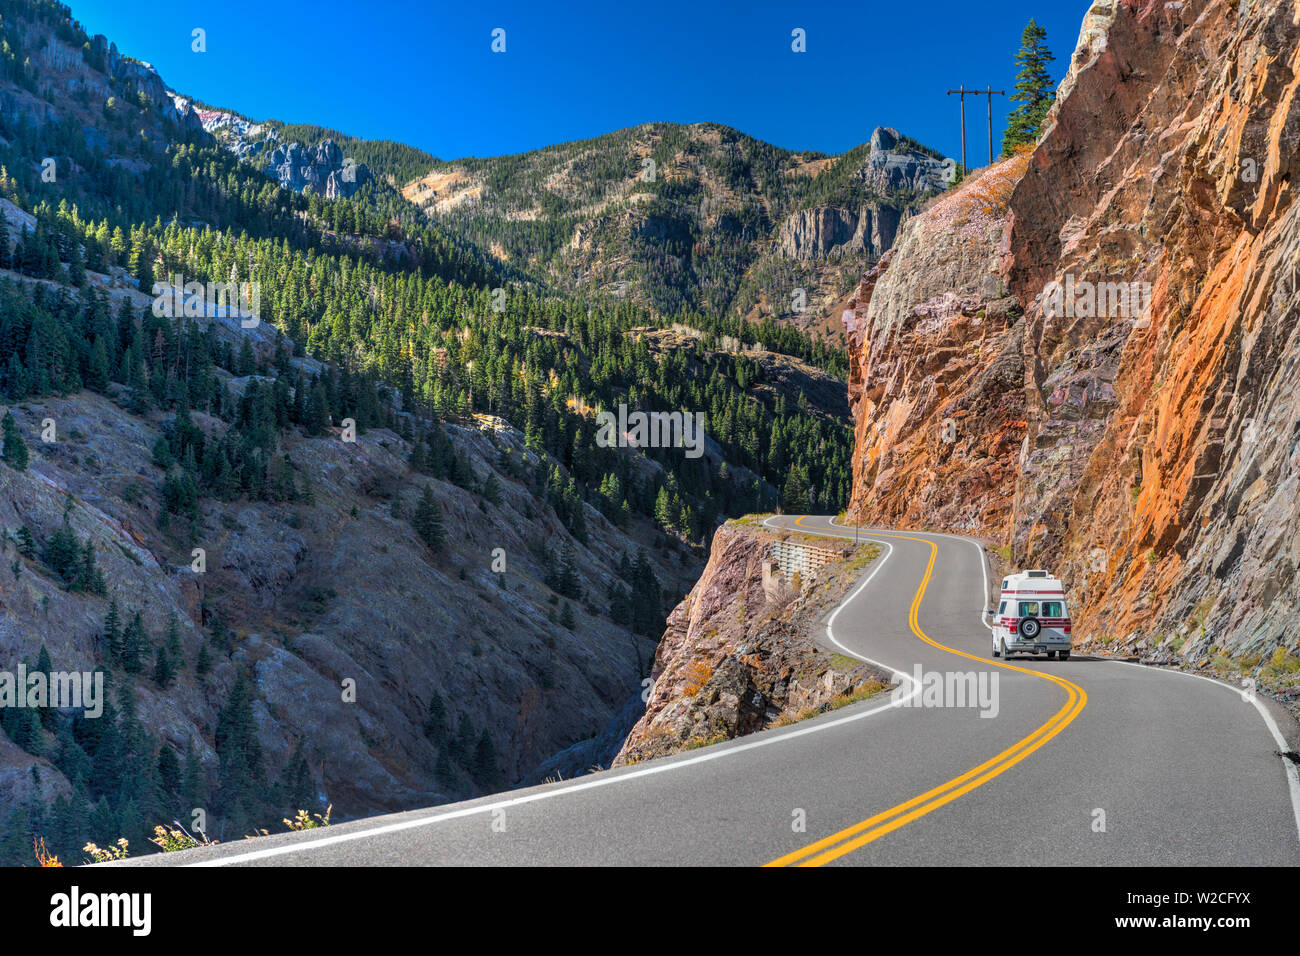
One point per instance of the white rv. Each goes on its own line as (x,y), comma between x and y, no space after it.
(1031,617)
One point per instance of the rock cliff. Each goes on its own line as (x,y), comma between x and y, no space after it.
(826,231)
(741,651)
(293,165)
(1136,434)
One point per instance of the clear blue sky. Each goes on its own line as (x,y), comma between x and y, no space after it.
(423,72)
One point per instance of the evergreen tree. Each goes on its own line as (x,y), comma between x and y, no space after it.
(175,652)
(1034,90)
(795,495)
(62,552)
(100,372)
(112,647)
(462,744)
(192,780)
(236,742)
(162,453)
(89,578)
(169,770)
(647,598)
(15,449)
(296,788)
(317,420)
(427,521)
(418,459)
(135,645)
(163,669)
(461,474)
(444,771)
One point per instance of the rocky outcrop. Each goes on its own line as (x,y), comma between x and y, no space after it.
(739,655)
(295,165)
(1158,472)
(895,165)
(81,79)
(937,373)
(322,167)
(826,231)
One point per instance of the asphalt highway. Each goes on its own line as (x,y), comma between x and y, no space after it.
(1026,762)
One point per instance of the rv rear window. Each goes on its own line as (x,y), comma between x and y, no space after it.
(1042,609)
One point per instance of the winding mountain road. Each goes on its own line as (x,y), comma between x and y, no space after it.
(1079,762)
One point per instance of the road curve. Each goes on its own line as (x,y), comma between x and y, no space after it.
(1079,762)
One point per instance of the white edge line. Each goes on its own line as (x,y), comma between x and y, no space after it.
(1289,768)
(1292,776)
(984,563)
(710,754)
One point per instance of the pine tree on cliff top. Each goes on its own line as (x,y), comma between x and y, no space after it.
(1034,90)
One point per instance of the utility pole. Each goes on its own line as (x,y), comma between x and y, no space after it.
(962,92)
(990,93)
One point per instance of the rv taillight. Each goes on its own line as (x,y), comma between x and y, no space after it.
(1013,627)
(1067,629)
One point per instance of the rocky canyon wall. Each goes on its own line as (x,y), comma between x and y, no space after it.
(1145,448)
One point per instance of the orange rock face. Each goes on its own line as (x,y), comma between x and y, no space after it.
(937,378)
(1149,451)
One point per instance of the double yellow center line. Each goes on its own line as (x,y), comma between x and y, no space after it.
(860,834)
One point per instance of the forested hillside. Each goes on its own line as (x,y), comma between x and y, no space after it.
(682,217)
(473,401)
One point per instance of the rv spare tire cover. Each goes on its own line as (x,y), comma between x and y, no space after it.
(1030,627)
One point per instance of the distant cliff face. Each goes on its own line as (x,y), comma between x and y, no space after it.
(1104,379)
(827,231)
(293,165)
(866,230)
(84,84)
(324,168)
